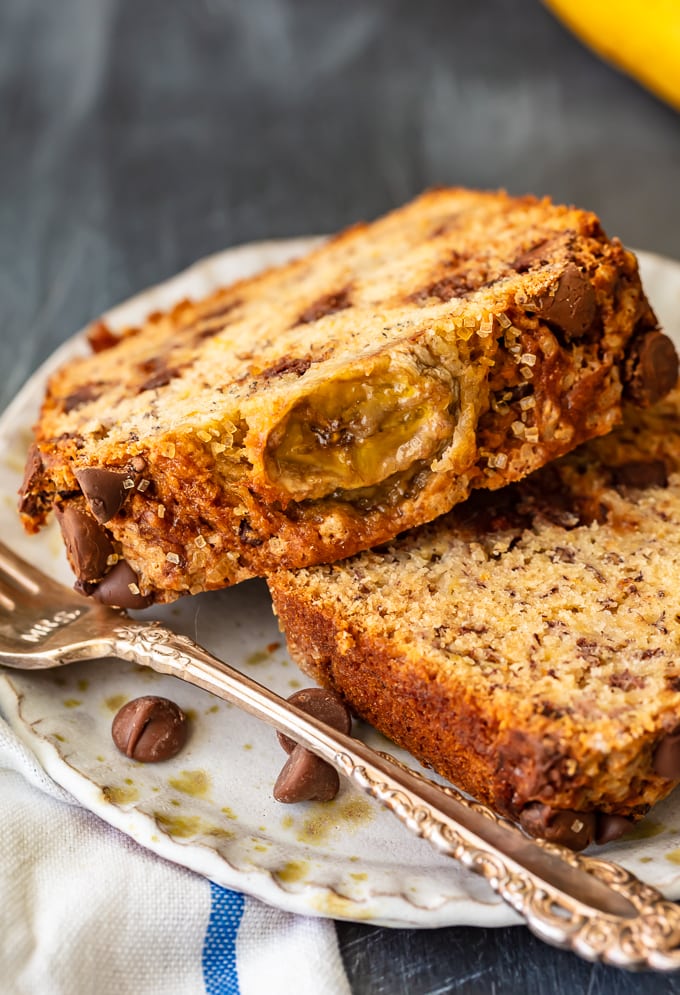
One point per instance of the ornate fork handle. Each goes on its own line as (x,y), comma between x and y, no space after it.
(591,906)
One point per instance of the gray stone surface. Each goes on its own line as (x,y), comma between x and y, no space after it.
(139,135)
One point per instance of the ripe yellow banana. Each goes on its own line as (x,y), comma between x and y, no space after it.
(642,37)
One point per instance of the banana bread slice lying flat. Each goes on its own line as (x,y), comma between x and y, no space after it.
(322,407)
(527,644)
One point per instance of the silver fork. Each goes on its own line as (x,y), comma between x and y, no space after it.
(591,906)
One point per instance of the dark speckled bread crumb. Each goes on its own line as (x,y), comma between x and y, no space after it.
(526,645)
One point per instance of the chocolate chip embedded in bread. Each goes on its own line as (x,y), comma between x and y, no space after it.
(100,337)
(247,534)
(651,369)
(327,706)
(306,777)
(286,365)
(83,395)
(611,827)
(666,759)
(325,305)
(150,729)
(34,467)
(105,490)
(640,474)
(572,307)
(160,374)
(88,545)
(119,588)
(575,830)
(543,252)
(31,500)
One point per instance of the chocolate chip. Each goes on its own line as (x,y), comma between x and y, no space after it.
(160,378)
(454,285)
(247,534)
(104,490)
(626,680)
(150,729)
(565,826)
(34,500)
(88,545)
(119,588)
(83,395)
(572,307)
(100,337)
(327,706)
(539,254)
(33,471)
(641,474)
(651,369)
(286,365)
(306,777)
(666,759)
(327,304)
(610,827)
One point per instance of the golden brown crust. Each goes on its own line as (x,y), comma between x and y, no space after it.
(458,734)
(526,645)
(322,407)
(424,716)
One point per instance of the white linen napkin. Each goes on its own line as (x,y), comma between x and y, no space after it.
(87,911)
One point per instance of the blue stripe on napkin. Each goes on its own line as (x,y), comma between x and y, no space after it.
(219,947)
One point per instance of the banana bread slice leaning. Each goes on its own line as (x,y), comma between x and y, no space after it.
(322,407)
(526,645)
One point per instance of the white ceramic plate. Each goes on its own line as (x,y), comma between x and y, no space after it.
(211,809)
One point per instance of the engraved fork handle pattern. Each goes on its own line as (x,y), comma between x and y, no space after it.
(591,906)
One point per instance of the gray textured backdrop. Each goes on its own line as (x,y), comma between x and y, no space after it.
(139,135)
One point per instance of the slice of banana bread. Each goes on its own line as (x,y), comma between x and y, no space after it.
(322,407)
(527,644)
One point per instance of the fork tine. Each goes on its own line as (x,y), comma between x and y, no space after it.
(18,570)
(5,601)
(25,576)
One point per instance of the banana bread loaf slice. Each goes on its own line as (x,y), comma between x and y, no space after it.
(324,406)
(526,645)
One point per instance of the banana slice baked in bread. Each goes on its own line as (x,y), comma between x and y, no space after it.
(323,407)
(527,644)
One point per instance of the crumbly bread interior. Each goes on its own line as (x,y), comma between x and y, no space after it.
(312,411)
(527,645)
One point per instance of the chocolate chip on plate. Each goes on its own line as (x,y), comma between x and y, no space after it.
(651,369)
(327,706)
(150,729)
(565,826)
(105,490)
(306,777)
(120,589)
